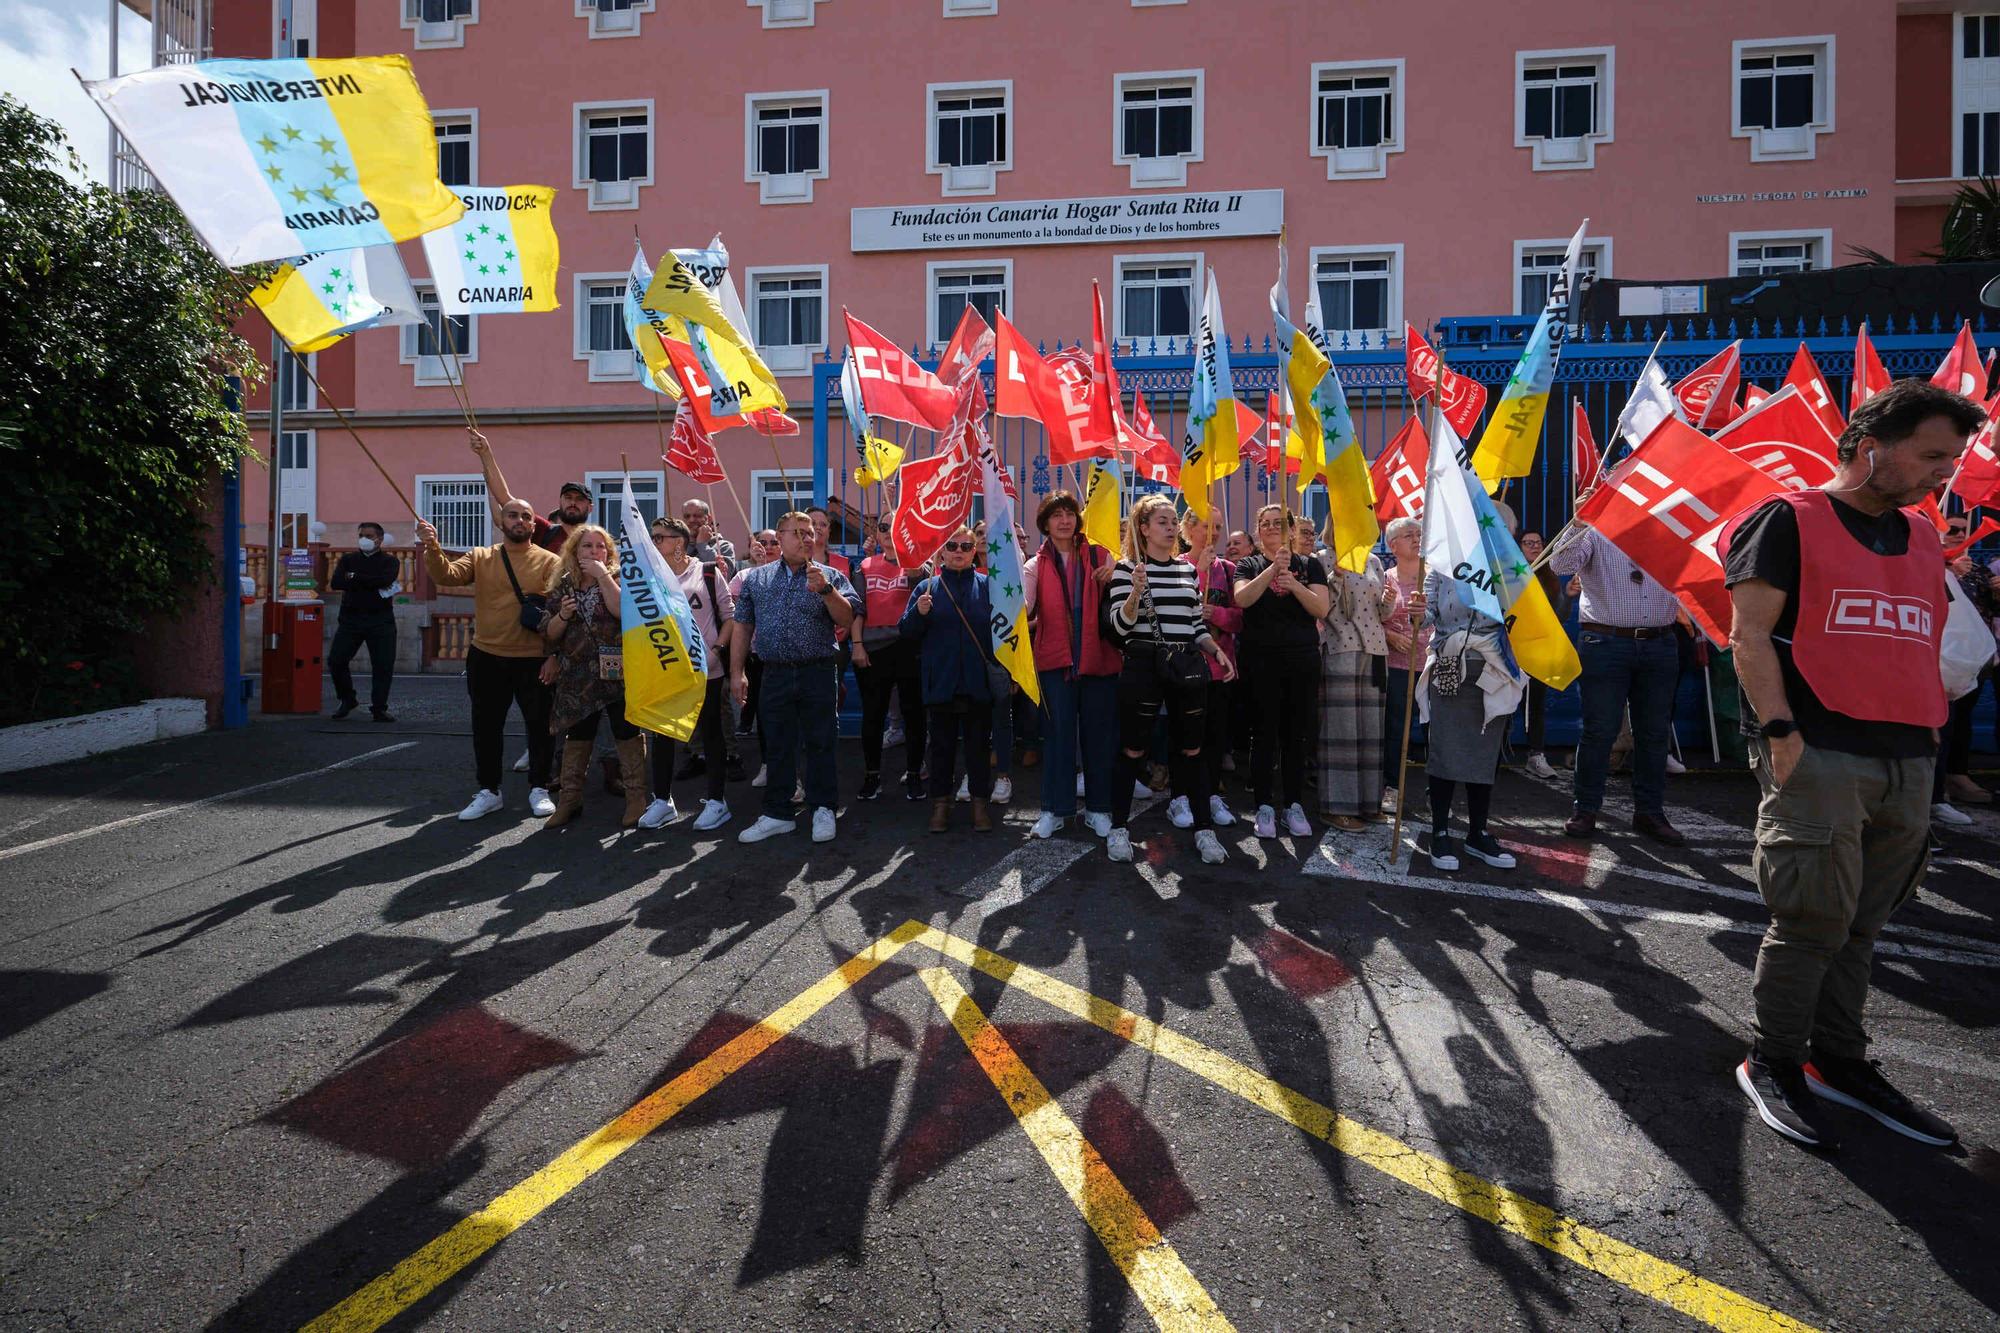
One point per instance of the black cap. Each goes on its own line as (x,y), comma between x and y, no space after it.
(575,486)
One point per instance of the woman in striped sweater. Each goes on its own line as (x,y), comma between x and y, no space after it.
(1155,602)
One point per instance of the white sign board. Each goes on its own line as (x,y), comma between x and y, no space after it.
(1112,218)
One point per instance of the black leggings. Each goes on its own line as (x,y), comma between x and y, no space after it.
(947,725)
(1215,731)
(1478,800)
(1284,683)
(1141,691)
(712,728)
(892,668)
(586,730)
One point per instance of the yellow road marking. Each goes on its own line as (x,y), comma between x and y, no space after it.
(1671,1285)
(1172,1294)
(414,1278)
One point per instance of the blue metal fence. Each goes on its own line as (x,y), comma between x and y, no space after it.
(1598,367)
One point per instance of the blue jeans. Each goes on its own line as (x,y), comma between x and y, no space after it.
(795,705)
(1643,673)
(1065,700)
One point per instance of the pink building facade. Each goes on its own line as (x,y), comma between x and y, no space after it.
(1422,168)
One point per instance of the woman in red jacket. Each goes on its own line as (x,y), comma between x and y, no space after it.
(1077,666)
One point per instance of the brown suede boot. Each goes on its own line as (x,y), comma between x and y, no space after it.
(569,797)
(614,784)
(632,773)
(940,816)
(982,822)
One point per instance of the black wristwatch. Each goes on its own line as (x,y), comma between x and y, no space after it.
(1778,728)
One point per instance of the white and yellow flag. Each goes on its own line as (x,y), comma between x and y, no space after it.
(316,301)
(501,257)
(665,660)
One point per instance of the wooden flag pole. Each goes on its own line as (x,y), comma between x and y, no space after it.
(1410,690)
(305,364)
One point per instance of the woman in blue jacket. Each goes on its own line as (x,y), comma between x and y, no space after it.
(949,616)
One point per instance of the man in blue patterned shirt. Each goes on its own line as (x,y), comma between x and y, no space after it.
(793,606)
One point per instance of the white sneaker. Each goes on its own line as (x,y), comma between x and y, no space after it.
(1538,765)
(521,764)
(1140,791)
(1003,790)
(1047,826)
(1098,823)
(1210,847)
(965,788)
(1219,813)
(1295,821)
(763,775)
(714,814)
(823,828)
(766,827)
(486,802)
(1119,845)
(1942,813)
(1079,784)
(1388,800)
(540,804)
(1675,766)
(660,813)
(892,735)
(1179,813)
(1267,822)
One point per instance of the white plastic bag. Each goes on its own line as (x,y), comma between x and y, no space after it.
(1968,643)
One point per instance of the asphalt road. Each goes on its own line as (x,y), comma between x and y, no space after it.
(281,1039)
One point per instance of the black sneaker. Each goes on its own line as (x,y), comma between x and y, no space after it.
(1442,849)
(871,787)
(914,787)
(1483,846)
(381,715)
(346,706)
(1859,1084)
(1784,1101)
(732,768)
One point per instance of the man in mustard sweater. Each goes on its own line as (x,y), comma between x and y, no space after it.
(504,665)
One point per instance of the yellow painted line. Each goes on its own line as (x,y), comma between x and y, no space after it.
(1670,1284)
(1172,1294)
(414,1278)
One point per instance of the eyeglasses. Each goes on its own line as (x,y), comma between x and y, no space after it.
(881,527)
(767,541)
(961,546)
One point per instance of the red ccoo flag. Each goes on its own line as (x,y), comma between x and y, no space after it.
(1961,371)
(1977,480)
(1461,399)
(895,386)
(1870,377)
(1708,395)
(1398,474)
(1158,457)
(1584,454)
(1805,377)
(1785,439)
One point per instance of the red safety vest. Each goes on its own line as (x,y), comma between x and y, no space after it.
(1870,627)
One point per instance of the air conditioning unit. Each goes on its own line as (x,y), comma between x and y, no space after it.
(1358,161)
(789,11)
(969,180)
(614,21)
(788,188)
(614,194)
(1565,151)
(1159,171)
(429,32)
(611,365)
(1796,141)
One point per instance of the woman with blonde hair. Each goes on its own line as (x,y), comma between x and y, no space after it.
(1155,600)
(1353,682)
(582,631)
(1284,597)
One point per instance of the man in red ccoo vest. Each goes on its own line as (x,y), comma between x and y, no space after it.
(1839,614)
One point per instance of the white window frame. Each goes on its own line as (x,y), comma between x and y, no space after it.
(304,16)
(304,383)
(1394,253)
(469,115)
(1960,93)
(620,23)
(793,187)
(1196,259)
(609,196)
(771,480)
(1579,154)
(298,487)
(958,181)
(426,480)
(606,488)
(1358,163)
(437,36)
(1821,239)
(787,13)
(792,360)
(1152,173)
(966,9)
(1559,245)
(605,367)
(1786,145)
(433,370)
(936,337)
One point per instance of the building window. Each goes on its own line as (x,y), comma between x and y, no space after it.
(1357,116)
(607,491)
(1563,106)
(1756,254)
(786,13)
(788,313)
(969,142)
(785,144)
(601,339)
(614,152)
(458,147)
(1360,289)
(1977,83)
(295,387)
(987,288)
(613,18)
(775,493)
(1156,296)
(458,508)
(295,29)
(427,347)
(298,489)
(1784,96)
(1159,125)
(1536,264)
(439,22)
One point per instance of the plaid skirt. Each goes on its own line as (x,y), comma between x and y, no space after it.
(1350,734)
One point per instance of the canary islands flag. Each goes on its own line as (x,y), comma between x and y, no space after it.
(271,159)
(316,301)
(1514,431)
(665,660)
(739,381)
(501,257)
(1350,491)
(1209,450)
(643,326)
(1006,589)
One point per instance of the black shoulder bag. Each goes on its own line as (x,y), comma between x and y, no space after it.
(534,606)
(1180,666)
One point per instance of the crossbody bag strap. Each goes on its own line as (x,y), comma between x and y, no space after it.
(985,655)
(519,596)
